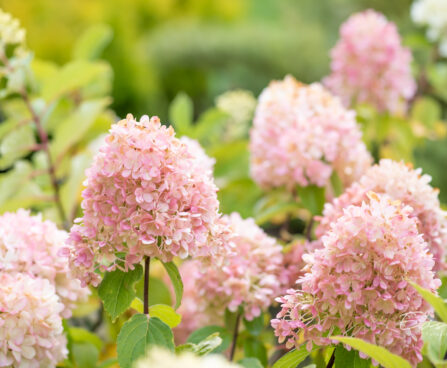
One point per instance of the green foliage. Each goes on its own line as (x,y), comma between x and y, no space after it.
(166,313)
(435,301)
(378,353)
(158,291)
(312,198)
(92,42)
(250,363)
(255,348)
(434,335)
(176,280)
(181,114)
(292,358)
(346,358)
(138,334)
(117,290)
(206,346)
(255,326)
(202,333)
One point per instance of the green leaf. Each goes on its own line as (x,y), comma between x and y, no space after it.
(203,333)
(117,290)
(137,334)
(250,363)
(85,355)
(176,280)
(337,185)
(12,181)
(312,198)
(426,110)
(254,348)
(437,76)
(204,347)
(210,126)
(112,362)
(75,126)
(434,335)
(435,301)
(16,144)
(71,77)
(378,353)
(292,358)
(79,335)
(346,358)
(92,42)
(166,313)
(181,114)
(255,326)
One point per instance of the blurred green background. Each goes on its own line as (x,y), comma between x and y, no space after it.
(201,47)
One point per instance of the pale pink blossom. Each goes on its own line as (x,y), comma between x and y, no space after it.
(248,276)
(30,244)
(31,332)
(302,134)
(357,284)
(411,187)
(147,194)
(206,162)
(370,65)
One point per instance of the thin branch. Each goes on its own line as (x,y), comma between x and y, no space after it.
(235,335)
(147,265)
(43,137)
(331,362)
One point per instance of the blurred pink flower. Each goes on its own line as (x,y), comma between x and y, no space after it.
(400,182)
(357,284)
(369,64)
(31,332)
(301,134)
(147,194)
(30,244)
(248,276)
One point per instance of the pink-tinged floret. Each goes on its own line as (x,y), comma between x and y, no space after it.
(301,134)
(358,283)
(147,194)
(400,182)
(370,65)
(31,332)
(30,244)
(249,276)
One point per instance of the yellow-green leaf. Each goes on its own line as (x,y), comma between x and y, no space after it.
(435,301)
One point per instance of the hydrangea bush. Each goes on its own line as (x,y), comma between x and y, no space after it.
(278,231)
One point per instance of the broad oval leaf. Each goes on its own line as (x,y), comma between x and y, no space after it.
(181,114)
(255,348)
(292,358)
(255,326)
(138,334)
(176,280)
(80,335)
(346,358)
(117,290)
(378,353)
(312,198)
(435,301)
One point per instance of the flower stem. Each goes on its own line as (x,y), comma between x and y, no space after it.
(309,229)
(147,265)
(235,335)
(330,364)
(44,144)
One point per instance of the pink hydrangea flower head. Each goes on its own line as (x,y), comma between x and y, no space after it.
(400,182)
(293,266)
(357,284)
(249,275)
(30,244)
(147,194)
(370,65)
(31,332)
(301,134)
(206,162)
(195,314)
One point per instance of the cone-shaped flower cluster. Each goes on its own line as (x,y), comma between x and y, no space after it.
(433,14)
(369,64)
(400,182)
(301,134)
(204,161)
(147,194)
(31,332)
(249,275)
(161,358)
(30,245)
(357,285)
